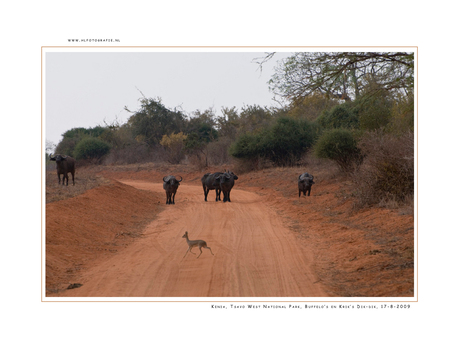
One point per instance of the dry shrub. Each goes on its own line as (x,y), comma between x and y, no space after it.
(245,165)
(197,160)
(133,154)
(174,144)
(85,179)
(218,151)
(322,169)
(386,177)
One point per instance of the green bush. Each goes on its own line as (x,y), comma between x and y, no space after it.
(340,146)
(72,137)
(341,116)
(287,140)
(66,146)
(282,143)
(91,148)
(247,146)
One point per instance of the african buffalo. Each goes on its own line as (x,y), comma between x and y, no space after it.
(64,166)
(227,181)
(209,182)
(170,185)
(305,182)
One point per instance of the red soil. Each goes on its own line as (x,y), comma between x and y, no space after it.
(121,240)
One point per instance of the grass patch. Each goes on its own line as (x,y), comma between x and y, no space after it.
(84,180)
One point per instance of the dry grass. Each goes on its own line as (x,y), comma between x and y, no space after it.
(85,179)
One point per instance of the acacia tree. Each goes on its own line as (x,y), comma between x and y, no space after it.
(342,74)
(254,117)
(153,120)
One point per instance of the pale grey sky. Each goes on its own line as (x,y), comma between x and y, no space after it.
(84,89)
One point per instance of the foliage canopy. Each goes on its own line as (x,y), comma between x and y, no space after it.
(91,148)
(342,75)
(339,145)
(153,120)
(283,143)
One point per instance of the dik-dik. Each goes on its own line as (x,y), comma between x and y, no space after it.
(195,243)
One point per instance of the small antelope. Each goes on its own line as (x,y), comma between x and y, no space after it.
(195,243)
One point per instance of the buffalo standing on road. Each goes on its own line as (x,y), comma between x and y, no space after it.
(170,185)
(305,182)
(227,181)
(64,166)
(211,182)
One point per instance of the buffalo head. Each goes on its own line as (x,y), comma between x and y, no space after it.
(170,185)
(227,181)
(58,158)
(171,179)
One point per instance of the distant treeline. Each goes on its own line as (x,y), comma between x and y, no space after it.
(351,108)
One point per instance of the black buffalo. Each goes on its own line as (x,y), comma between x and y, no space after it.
(226,181)
(305,182)
(64,166)
(210,182)
(170,185)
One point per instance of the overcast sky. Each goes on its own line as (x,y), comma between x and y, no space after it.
(84,89)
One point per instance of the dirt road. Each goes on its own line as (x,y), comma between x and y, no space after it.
(255,254)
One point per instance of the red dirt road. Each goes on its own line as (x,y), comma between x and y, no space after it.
(255,254)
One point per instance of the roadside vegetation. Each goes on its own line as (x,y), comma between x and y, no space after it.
(85,179)
(353,109)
